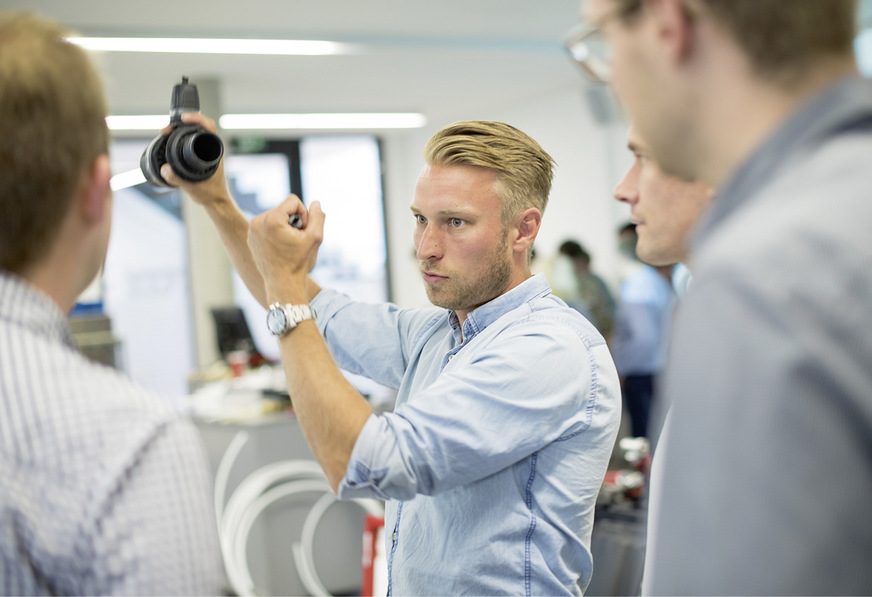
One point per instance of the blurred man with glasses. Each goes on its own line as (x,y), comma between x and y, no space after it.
(769,469)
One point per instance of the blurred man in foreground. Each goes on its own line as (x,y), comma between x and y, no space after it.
(103,488)
(768,468)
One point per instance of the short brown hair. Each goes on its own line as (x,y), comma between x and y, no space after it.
(52,127)
(781,38)
(524,170)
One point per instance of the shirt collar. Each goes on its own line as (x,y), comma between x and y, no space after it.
(25,305)
(478,319)
(842,106)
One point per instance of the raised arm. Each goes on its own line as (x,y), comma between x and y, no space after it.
(330,411)
(214,195)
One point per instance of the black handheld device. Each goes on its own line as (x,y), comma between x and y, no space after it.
(193,152)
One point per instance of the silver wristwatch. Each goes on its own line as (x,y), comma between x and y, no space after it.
(281,319)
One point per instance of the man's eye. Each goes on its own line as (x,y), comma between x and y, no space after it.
(420,219)
(457,222)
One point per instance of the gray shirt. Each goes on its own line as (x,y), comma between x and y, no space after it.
(768,477)
(103,488)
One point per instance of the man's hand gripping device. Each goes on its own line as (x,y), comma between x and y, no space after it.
(193,152)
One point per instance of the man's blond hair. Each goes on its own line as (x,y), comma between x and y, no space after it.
(524,170)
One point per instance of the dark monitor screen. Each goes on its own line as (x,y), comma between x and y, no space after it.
(232,330)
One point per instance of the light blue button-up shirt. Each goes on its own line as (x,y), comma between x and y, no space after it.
(493,457)
(643,322)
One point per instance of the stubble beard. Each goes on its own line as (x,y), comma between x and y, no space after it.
(467,294)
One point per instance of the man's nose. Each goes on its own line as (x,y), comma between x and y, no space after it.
(429,244)
(627,190)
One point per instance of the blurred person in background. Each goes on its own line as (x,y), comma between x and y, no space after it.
(643,321)
(104,489)
(573,280)
(664,211)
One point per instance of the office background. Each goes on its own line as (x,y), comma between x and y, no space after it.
(445,61)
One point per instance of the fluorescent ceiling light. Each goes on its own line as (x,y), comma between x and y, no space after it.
(284,47)
(150,122)
(398,120)
(374,120)
(123,180)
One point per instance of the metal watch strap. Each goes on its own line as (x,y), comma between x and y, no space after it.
(298,313)
(292,315)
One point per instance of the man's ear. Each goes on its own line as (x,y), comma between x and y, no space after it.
(675,24)
(94,193)
(527,224)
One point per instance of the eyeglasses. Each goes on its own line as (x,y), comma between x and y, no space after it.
(587,47)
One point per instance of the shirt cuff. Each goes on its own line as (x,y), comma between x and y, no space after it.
(361,479)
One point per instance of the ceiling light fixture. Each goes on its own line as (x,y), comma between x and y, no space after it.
(147,122)
(281,47)
(262,122)
(363,120)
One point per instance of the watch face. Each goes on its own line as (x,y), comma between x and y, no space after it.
(277,321)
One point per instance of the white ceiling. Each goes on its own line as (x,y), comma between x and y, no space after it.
(444,58)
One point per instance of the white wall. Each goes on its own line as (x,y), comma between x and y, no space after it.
(591,158)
